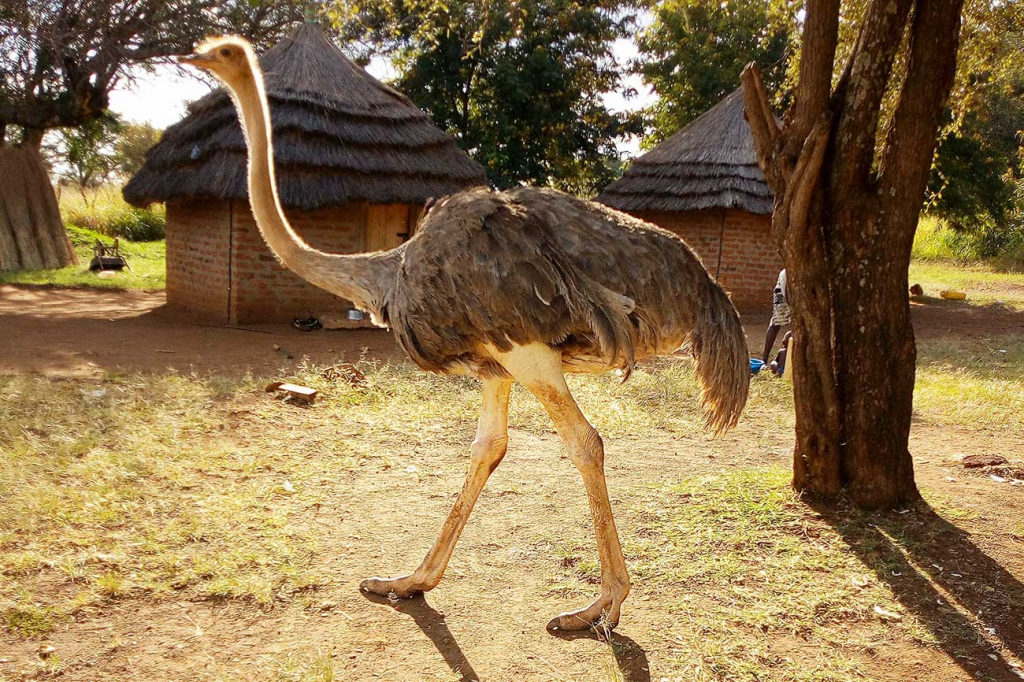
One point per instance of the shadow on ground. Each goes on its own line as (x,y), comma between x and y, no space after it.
(432,623)
(630,657)
(966,599)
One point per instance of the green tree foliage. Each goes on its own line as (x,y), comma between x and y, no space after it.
(517,82)
(692,54)
(131,147)
(84,156)
(976,180)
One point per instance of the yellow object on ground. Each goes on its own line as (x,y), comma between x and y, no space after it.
(787,371)
(953,295)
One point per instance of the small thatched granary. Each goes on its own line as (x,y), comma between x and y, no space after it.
(356,161)
(704,184)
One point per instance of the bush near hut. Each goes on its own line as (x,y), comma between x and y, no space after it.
(1002,248)
(104,211)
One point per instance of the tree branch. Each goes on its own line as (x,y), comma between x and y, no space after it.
(763,128)
(808,169)
(910,143)
(817,59)
(869,71)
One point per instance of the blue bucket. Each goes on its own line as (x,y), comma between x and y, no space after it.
(755,365)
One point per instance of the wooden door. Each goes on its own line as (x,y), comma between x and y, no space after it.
(387,226)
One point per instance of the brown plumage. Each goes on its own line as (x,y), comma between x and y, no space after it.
(536,265)
(522,285)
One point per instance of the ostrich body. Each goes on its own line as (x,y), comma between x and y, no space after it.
(524,286)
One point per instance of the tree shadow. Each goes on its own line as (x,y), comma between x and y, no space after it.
(966,599)
(433,625)
(630,657)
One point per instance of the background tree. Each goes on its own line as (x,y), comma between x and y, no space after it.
(846,209)
(84,156)
(694,50)
(977,168)
(59,60)
(132,144)
(517,82)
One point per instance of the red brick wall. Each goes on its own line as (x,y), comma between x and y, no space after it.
(202,235)
(750,263)
(263,290)
(197,258)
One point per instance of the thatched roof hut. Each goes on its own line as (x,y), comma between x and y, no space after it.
(356,161)
(340,135)
(708,164)
(704,184)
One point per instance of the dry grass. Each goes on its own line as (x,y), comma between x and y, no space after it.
(977,383)
(161,485)
(134,486)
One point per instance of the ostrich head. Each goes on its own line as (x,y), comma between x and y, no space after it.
(227,58)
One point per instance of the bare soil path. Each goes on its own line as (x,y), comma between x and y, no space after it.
(485,621)
(82,332)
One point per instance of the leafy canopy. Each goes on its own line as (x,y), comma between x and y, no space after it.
(518,83)
(59,59)
(693,51)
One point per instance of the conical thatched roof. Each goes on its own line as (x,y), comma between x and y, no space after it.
(340,135)
(708,164)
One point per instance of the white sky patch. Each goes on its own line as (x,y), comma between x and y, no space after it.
(160,96)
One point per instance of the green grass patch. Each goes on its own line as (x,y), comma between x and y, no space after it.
(317,667)
(984,284)
(399,401)
(976,383)
(136,486)
(147,261)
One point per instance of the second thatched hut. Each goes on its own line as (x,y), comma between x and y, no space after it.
(356,162)
(704,184)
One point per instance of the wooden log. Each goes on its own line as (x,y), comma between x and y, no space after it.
(300,393)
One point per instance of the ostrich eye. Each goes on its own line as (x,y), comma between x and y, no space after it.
(225,52)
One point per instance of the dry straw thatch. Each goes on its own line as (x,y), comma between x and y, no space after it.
(709,164)
(340,135)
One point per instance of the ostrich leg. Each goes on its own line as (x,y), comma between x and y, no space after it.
(539,369)
(487,451)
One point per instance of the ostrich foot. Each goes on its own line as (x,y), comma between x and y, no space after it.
(602,615)
(395,588)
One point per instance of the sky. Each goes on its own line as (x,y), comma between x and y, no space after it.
(159,98)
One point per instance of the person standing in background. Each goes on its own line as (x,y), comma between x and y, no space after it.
(780,316)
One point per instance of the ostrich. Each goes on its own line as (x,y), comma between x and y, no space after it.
(523,285)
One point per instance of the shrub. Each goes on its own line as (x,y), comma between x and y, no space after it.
(934,240)
(104,211)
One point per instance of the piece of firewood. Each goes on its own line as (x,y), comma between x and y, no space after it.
(303,393)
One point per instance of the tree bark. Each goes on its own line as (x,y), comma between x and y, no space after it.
(32,235)
(845,228)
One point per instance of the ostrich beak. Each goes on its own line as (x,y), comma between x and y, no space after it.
(198,59)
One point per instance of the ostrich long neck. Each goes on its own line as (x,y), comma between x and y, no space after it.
(358,278)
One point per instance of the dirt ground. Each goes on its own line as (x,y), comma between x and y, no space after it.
(485,621)
(87,332)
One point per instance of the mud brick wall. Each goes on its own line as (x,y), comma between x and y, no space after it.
(263,290)
(220,269)
(197,258)
(750,263)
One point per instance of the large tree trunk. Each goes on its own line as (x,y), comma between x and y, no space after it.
(844,219)
(32,235)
